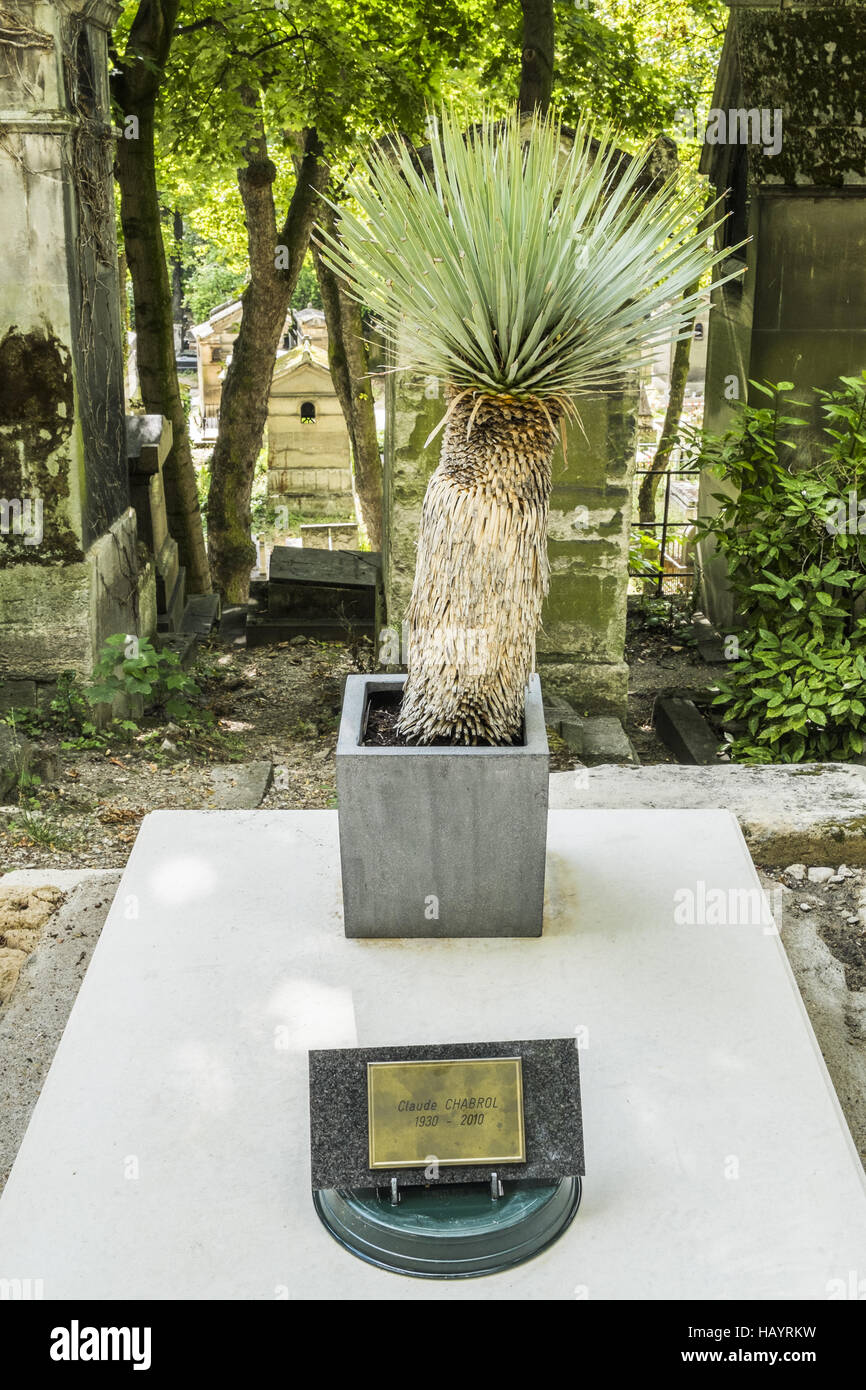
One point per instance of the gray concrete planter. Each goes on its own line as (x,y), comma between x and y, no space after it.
(441,841)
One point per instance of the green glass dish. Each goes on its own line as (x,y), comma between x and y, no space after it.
(453,1231)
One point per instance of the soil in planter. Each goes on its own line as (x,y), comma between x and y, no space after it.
(380,729)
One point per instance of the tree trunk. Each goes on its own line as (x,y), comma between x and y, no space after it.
(135,91)
(481,574)
(275,263)
(177,280)
(347,357)
(536,67)
(646,498)
(124,318)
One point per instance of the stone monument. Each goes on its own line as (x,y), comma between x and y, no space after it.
(69,568)
(309,453)
(792,166)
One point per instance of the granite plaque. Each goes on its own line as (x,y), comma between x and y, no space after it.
(340,1130)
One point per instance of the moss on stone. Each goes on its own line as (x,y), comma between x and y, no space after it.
(819,53)
(37,421)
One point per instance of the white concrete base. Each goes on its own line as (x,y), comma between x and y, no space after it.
(168,1154)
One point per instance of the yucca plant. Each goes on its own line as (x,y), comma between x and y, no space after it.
(527,268)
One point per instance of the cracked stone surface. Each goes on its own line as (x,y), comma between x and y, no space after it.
(823,930)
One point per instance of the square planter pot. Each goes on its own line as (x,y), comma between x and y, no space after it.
(441,842)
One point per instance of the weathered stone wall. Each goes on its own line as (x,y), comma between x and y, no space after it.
(333,535)
(806,59)
(63,471)
(582,638)
(801,313)
(55,618)
(414,406)
(729,352)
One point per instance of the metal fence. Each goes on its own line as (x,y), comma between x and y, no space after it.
(210,419)
(673,570)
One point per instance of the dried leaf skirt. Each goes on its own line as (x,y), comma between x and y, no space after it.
(481,574)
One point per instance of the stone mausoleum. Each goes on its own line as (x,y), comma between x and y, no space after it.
(309,453)
(214,343)
(799,312)
(214,340)
(70,569)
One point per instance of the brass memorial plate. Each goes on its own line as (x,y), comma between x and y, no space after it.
(459,1111)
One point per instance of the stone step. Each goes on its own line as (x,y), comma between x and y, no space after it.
(597,738)
(710,646)
(555,710)
(23,764)
(17,694)
(183,644)
(813,813)
(684,730)
(202,611)
(233,624)
(238,786)
(264,631)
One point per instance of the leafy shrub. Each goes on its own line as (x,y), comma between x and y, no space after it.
(643,555)
(796,559)
(67,715)
(133,666)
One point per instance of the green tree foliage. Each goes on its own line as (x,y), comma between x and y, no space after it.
(307,290)
(633,64)
(208,285)
(795,544)
(241,77)
(619,60)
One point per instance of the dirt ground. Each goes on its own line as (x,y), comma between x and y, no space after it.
(663,659)
(278,704)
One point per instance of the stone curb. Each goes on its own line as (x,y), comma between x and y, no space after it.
(811,813)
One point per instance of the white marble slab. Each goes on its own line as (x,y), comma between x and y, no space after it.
(168,1154)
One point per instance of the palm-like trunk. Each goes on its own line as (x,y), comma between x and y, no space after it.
(481,574)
